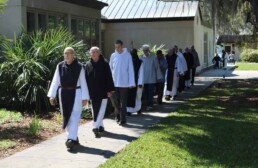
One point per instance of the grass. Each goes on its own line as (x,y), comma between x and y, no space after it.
(247,66)
(6,144)
(9,116)
(219,128)
(34,126)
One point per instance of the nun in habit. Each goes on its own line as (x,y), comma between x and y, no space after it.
(134,102)
(69,78)
(101,86)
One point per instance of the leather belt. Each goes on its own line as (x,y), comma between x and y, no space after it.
(70,88)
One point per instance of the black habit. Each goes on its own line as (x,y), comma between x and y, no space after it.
(100,82)
(132,92)
(189,61)
(171,60)
(69,75)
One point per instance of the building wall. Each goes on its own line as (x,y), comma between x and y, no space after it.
(199,40)
(11,19)
(15,14)
(134,35)
(211,42)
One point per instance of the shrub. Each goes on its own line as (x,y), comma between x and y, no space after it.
(6,144)
(249,55)
(28,65)
(34,127)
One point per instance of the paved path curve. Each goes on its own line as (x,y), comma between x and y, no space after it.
(93,152)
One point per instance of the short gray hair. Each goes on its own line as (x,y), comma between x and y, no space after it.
(70,49)
(145,46)
(94,48)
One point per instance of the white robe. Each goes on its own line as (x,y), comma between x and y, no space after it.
(138,101)
(121,66)
(183,68)
(101,114)
(81,94)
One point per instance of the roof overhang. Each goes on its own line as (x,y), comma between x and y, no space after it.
(148,20)
(88,3)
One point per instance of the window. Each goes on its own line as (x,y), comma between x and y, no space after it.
(51,22)
(74,26)
(61,21)
(31,26)
(80,34)
(42,21)
(87,32)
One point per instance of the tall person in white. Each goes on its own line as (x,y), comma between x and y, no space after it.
(69,78)
(121,66)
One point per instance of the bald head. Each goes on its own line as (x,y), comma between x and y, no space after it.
(69,55)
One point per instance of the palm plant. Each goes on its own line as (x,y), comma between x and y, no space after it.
(28,66)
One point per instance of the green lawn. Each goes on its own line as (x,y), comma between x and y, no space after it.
(247,66)
(9,116)
(219,128)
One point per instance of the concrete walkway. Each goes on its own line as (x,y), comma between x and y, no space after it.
(92,152)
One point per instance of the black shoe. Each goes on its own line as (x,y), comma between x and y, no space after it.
(96,132)
(101,129)
(139,112)
(128,114)
(70,144)
(117,118)
(77,141)
(167,98)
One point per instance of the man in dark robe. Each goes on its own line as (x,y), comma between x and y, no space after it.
(171,58)
(101,85)
(69,78)
(196,63)
(135,94)
(189,61)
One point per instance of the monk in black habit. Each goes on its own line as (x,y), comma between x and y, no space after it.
(135,94)
(101,86)
(69,80)
(189,61)
(171,58)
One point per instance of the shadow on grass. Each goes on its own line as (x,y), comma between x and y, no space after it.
(218,131)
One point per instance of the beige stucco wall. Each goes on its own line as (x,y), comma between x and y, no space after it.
(211,42)
(199,40)
(14,15)
(135,34)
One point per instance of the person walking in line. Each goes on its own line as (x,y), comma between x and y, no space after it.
(152,74)
(163,68)
(189,61)
(175,68)
(134,102)
(182,70)
(122,69)
(101,86)
(216,61)
(196,63)
(69,78)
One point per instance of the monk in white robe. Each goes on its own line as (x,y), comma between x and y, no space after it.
(69,78)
